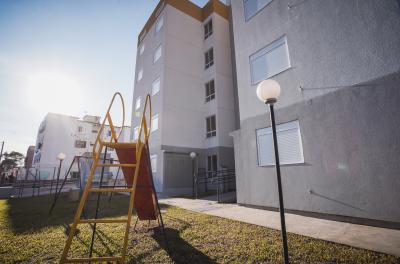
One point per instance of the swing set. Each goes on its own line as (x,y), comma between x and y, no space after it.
(134,161)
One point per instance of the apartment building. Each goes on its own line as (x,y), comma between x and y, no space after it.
(29,157)
(72,136)
(338,66)
(184,63)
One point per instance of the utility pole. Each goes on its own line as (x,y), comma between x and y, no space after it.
(1,152)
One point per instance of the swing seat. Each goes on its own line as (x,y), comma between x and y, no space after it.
(145,198)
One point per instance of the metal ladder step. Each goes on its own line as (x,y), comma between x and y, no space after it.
(94,259)
(97,190)
(103,221)
(116,165)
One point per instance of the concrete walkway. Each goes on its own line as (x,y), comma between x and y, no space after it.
(367,237)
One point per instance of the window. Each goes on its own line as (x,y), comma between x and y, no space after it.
(153,162)
(209,58)
(251,7)
(141,49)
(140,75)
(80,129)
(157,54)
(136,133)
(154,123)
(269,61)
(210,91)
(211,164)
(211,126)
(155,87)
(109,133)
(137,104)
(80,144)
(159,24)
(208,29)
(289,144)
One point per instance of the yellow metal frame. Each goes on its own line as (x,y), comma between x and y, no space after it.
(142,141)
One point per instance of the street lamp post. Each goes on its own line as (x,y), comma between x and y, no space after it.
(1,152)
(60,157)
(193,156)
(268,92)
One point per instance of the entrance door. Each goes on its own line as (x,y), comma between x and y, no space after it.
(177,171)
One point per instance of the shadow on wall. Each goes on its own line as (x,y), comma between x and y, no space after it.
(312,192)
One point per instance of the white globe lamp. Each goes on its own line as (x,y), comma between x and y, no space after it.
(268,91)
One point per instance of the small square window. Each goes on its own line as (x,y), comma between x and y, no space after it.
(252,7)
(141,49)
(153,162)
(212,165)
(80,144)
(157,54)
(155,87)
(140,75)
(136,133)
(209,58)
(210,91)
(211,128)
(159,23)
(269,61)
(154,123)
(208,29)
(138,102)
(289,144)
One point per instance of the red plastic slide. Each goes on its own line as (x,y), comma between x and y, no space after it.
(145,198)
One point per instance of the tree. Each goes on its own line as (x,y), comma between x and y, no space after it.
(11,161)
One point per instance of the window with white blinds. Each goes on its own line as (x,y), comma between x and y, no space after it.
(289,144)
(269,61)
(252,7)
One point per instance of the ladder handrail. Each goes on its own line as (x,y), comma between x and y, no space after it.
(108,118)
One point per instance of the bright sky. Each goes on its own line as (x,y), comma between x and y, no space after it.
(65,56)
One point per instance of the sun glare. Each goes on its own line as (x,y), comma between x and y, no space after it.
(54,92)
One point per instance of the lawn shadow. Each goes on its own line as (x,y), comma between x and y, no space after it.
(31,214)
(179,250)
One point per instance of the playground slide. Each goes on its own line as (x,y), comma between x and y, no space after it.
(145,198)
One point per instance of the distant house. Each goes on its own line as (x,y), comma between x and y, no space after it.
(70,135)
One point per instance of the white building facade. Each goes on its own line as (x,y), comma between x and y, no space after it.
(184,63)
(69,135)
(338,64)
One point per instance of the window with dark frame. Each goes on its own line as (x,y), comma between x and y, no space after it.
(208,29)
(211,126)
(80,144)
(210,91)
(212,165)
(209,58)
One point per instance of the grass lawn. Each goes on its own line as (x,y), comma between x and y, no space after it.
(29,235)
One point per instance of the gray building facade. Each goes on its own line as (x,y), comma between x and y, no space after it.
(338,65)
